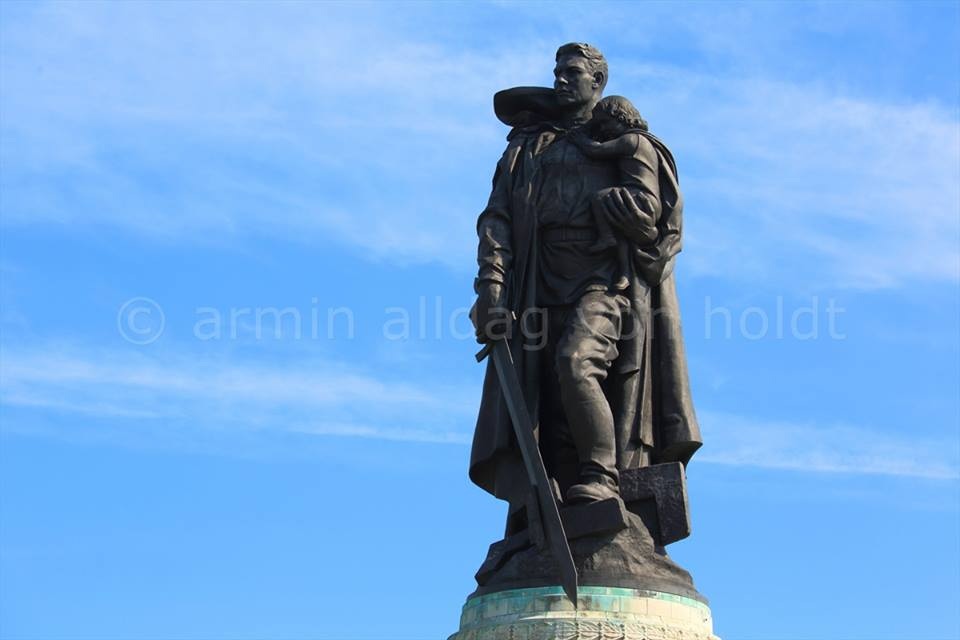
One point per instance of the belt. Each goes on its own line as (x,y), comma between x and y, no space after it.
(568,234)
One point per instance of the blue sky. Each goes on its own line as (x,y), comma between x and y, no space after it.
(175,465)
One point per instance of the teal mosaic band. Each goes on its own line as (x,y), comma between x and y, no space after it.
(594,602)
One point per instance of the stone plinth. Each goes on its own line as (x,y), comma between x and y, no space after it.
(604,613)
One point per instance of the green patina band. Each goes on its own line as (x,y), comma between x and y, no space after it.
(583,592)
(612,603)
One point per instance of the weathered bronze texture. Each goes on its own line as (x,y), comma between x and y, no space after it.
(577,246)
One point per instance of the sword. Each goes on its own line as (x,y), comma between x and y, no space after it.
(553,532)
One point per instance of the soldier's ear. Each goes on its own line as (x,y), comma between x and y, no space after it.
(598,79)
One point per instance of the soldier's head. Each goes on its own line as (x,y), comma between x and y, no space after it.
(580,74)
(614,115)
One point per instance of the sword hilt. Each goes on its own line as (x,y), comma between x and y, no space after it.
(483,353)
(488,347)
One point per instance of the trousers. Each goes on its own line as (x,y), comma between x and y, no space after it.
(577,430)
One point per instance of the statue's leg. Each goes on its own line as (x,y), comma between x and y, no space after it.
(583,358)
(556,442)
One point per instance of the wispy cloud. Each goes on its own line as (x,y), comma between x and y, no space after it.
(286,121)
(283,120)
(215,394)
(325,399)
(380,433)
(864,194)
(815,447)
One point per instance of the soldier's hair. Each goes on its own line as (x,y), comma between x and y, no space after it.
(621,109)
(590,53)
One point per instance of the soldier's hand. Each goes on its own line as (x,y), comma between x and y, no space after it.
(490,316)
(623,211)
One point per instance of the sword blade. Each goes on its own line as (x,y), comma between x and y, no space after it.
(555,536)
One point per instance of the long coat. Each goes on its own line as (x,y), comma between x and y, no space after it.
(648,387)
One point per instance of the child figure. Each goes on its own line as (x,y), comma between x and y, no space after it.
(616,123)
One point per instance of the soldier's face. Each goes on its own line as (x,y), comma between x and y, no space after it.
(573,81)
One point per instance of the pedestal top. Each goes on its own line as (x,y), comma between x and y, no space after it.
(602,612)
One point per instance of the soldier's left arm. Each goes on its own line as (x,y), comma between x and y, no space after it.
(634,208)
(637,210)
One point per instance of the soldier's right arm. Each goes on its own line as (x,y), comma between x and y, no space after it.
(489,315)
(494,226)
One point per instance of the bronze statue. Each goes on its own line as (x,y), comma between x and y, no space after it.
(592,327)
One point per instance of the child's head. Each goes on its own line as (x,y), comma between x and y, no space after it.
(614,115)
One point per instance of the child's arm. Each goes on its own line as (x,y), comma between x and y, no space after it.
(625,145)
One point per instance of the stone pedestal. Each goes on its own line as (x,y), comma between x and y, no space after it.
(604,613)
